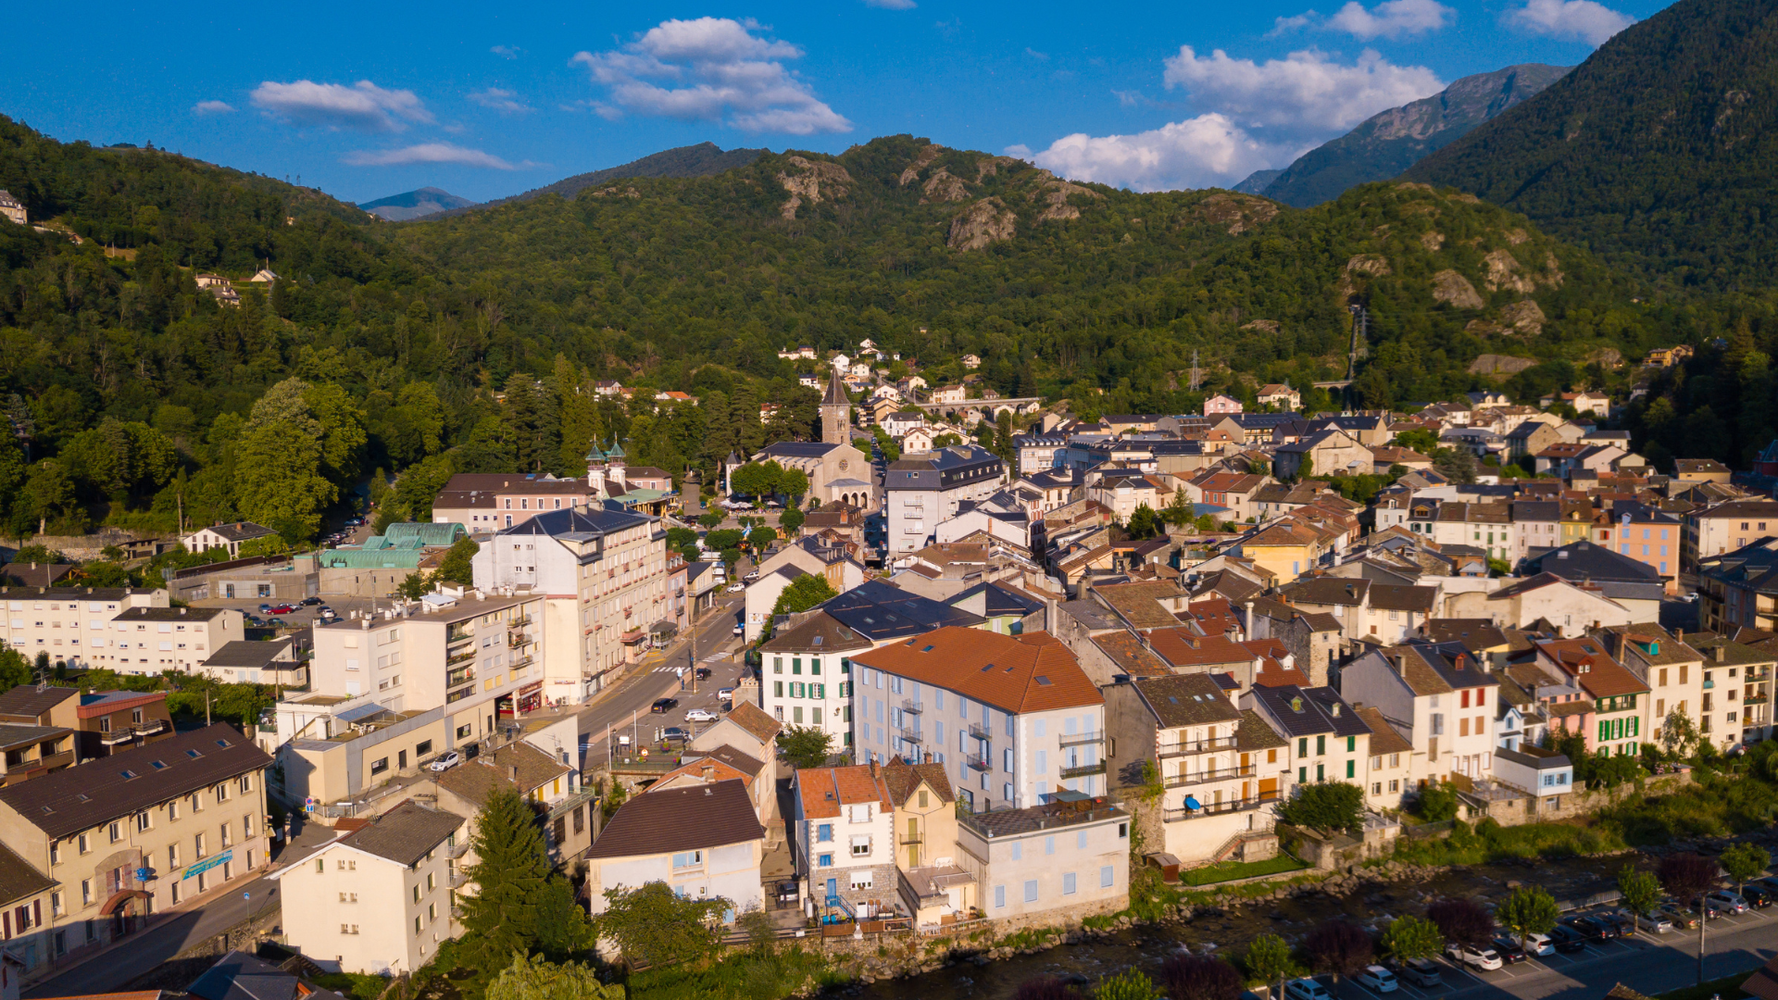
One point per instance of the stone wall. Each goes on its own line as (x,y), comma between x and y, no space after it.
(1526,808)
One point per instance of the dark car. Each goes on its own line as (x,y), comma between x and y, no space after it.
(703,673)
(276,623)
(1566,939)
(1620,924)
(309,602)
(674,734)
(664,705)
(1419,972)
(1588,928)
(1758,896)
(1508,950)
(471,750)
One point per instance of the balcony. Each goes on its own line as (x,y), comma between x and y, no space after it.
(1708,685)
(461,675)
(517,639)
(128,733)
(521,663)
(910,735)
(1189,747)
(1217,808)
(1082,740)
(979,761)
(457,849)
(463,657)
(459,633)
(1216,774)
(458,880)
(519,622)
(911,707)
(979,731)
(1082,770)
(1755,699)
(911,838)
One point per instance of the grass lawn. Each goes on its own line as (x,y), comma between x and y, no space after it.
(1229,870)
(1728,987)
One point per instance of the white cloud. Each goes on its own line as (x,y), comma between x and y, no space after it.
(1033,53)
(1206,151)
(363,106)
(891,4)
(1585,20)
(506,51)
(1303,95)
(431,152)
(1283,24)
(1392,18)
(713,69)
(504,101)
(212,108)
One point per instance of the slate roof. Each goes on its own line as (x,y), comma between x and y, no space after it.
(18,879)
(1472,633)
(903,780)
(80,798)
(12,734)
(1139,603)
(817,633)
(25,701)
(1395,598)
(1328,590)
(577,523)
(1384,738)
(1317,711)
(742,762)
(239,531)
(1127,651)
(1032,672)
(1185,700)
(1255,733)
(882,611)
(1001,601)
(680,819)
(474,780)
(406,833)
(242,653)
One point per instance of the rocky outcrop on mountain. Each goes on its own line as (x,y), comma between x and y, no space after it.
(1525,316)
(943,186)
(984,222)
(1453,288)
(1238,212)
(1056,194)
(1394,140)
(1500,364)
(922,160)
(805,186)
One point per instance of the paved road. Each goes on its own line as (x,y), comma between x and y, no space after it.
(1647,963)
(135,956)
(627,708)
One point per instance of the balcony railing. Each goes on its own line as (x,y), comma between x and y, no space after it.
(911,707)
(1214,808)
(519,622)
(1755,699)
(1082,770)
(979,761)
(458,849)
(910,735)
(1215,774)
(516,639)
(1186,748)
(912,838)
(128,733)
(463,657)
(1082,740)
(521,663)
(980,731)
(458,880)
(458,633)
(459,676)
(1708,685)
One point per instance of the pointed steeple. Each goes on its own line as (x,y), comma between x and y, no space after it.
(836,391)
(616,450)
(594,454)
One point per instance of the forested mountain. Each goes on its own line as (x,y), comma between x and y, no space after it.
(701,160)
(1392,141)
(413,204)
(1657,152)
(472,342)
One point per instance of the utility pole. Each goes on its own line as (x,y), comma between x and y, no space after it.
(1196,378)
(206,707)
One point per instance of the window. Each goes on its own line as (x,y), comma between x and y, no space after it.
(379,765)
(860,845)
(1320,745)
(1018,851)
(348,928)
(348,897)
(1349,769)
(1049,844)
(999,896)
(1302,746)
(1067,883)
(824,832)
(116,831)
(1031,890)
(86,892)
(862,879)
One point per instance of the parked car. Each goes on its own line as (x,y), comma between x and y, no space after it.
(1421,973)
(1509,951)
(751,576)
(445,761)
(1306,989)
(740,629)
(674,734)
(1539,945)
(725,694)
(1566,939)
(1484,958)
(735,588)
(701,715)
(265,607)
(1588,928)
(1378,979)
(282,609)
(276,623)
(1615,919)
(703,673)
(662,705)
(1758,896)
(309,602)
(1681,917)
(1654,922)
(1727,901)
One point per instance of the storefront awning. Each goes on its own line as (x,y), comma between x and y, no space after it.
(634,635)
(663,627)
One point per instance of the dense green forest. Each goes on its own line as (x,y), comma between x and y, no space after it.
(473,343)
(1656,152)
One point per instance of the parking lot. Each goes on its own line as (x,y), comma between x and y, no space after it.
(1650,963)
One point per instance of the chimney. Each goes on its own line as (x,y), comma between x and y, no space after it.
(1336,709)
(1720,654)
(512,772)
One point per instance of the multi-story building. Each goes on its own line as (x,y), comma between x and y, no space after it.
(1040,452)
(1674,672)
(189,812)
(1714,531)
(74,625)
(1220,768)
(703,841)
(1739,589)
(1645,534)
(1389,777)
(1605,703)
(1440,697)
(489,501)
(1748,673)
(103,722)
(1066,858)
(450,650)
(342,899)
(806,674)
(1013,718)
(1327,740)
(155,640)
(923,488)
(230,536)
(844,828)
(603,580)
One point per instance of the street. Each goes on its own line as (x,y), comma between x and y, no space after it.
(1648,963)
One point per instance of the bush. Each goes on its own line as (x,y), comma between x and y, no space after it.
(1330,805)
(1437,803)
(1200,977)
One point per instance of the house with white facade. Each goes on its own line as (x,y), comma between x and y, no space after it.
(1442,698)
(703,841)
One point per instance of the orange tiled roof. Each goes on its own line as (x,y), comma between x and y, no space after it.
(1027,673)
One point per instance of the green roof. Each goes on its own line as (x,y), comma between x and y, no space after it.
(386,558)
(425,532)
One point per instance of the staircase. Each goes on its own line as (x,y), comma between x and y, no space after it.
(1250,846)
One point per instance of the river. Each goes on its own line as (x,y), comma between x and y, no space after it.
(1570,881)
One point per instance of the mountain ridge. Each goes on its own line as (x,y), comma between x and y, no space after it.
(1391,141)
(414,204)
(703,159)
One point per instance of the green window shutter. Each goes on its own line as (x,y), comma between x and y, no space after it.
(1349,769)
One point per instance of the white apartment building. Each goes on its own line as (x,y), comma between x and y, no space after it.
(1065,858)
(603,577)
(74,625)
(377,900)
(152,640)
(923,488)
(1440,697)
(1727,527)
(1013,719)
(806,675)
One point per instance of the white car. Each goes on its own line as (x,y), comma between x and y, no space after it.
(1378,979)
(700,715)
(1305,989)
(736,588)
(740,629)
(1486,959)
(445,761)
(1539,945)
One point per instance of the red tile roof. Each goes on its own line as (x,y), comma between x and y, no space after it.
(1028,673)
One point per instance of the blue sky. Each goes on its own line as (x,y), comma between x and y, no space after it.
(484,100)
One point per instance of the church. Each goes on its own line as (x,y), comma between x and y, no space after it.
(837,471)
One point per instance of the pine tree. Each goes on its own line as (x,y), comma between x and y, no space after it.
(521,904)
